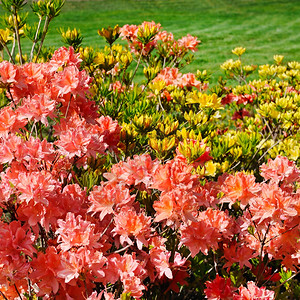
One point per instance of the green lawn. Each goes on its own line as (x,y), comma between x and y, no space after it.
(265,27)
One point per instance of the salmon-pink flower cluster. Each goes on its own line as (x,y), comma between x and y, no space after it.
(254,292)
(171,76)
(83,216)
(134,35)
(221,288)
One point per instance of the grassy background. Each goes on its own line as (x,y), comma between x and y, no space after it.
(265,27)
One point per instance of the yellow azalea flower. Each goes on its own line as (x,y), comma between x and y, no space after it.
(239,51)
(212,101)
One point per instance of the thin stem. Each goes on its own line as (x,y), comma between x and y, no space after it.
(276,236)
(172,63)
(3,295)
(17,291)
(137,65)
(261,271)
(160,104)
(29,288)
(35,38)
(103,232)
(122,249)
(11,97)
(55,160)
(259,237)
(268,150)
(13,46)
(257,151)
(288,280)
(40,130)
(7,51)
(17,34)
(45,29)
(43,234)
(85,287)
(68,106)
(31,131)
(238,163)
(178,63)
(175,246)
(263,242)
(264,284)
(164,63)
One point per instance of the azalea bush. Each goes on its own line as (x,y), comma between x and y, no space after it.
(164,187)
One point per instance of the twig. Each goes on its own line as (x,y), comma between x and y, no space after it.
(276,236)
(257,151)
(40,130)
(45,29)
(264,284)
(31,131)
(286,281)
(160,104)
(137,65)
(268,150)
(3,295)
(35,38)
(13,46)
(121,250)
(104,231)
(254,224)
(7,51)
(29,288)
(43,235)
(11,97)
(17,34)
(17,291)
(68,106)
(85,287)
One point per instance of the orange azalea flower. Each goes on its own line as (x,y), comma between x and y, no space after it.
(164,36)
(238,253)
(109,198)
(129,224)
(189,80)
(15,240)
(170,76)
(280,169)
(37,186)
(75,232)
(10,121)
(197,236)
(210,228)
(189,42)
(64,57)
(175,206)
(137,171)
(254,292)
(8,74)
(273,204)
(45,267)
(219,288)
(38,107)
(175,173)
(240,187)
(82,262)
(130,272)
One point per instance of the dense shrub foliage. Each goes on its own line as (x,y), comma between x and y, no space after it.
(159,188)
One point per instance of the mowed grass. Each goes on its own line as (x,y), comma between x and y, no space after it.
(265,28)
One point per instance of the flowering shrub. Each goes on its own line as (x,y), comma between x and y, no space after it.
(163,189)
